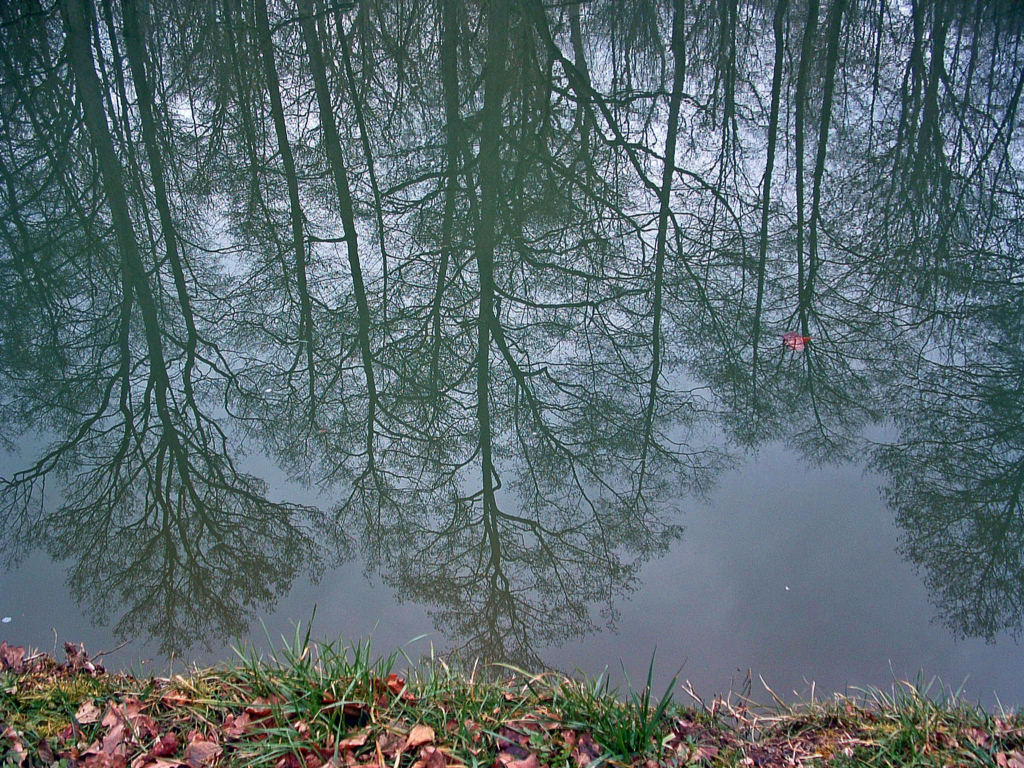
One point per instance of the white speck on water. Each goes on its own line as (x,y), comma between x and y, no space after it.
(787,588)
(6,619)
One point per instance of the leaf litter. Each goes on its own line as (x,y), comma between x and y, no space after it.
(75,714)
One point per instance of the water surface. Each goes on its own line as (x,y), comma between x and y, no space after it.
(400,311)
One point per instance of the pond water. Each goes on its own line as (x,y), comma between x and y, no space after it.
(398,312)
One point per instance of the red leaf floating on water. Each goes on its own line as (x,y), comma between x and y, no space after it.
(793,340)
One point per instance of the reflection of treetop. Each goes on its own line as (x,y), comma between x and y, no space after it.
(497,274)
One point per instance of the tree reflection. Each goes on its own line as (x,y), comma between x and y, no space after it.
(955,477)
(508,280)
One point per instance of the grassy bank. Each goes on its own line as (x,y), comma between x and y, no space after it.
(312,705)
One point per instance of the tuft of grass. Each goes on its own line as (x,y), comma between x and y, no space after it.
(628,726)
(306,703)
(43,707)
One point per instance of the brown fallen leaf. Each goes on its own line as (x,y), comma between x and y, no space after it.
(585,751)
(87,713)
(155,762)
(12,657)
(112,716)
(165,746)
(45,752)
(144,726)
(388,745)
(430,757)
(1010,760)
(174,699)
(262,706)
(103,760)
(201,753)
(356,740)
(418,736)
(508,736)
(977,736)
(17,752)
(506,761)
(397,686)
(235,726)
(1006,728)
(946,741)
(709,752)
(114,740)
(515,752)
(547,714)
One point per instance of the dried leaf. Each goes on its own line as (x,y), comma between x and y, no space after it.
(474,730)
(1006,728)
(262,706)
(356,740)
(506,761)
(112,716)
(585,751)
(388,744)
(430,757)
(165,746)
(236,726)
(547,714)
(12,657)
(418,736)
(977,736)
(103,760)
(18,753)
(145,761)
(946,741)
(87,713)
(507,736)
(174,699)
(201,753)
(114,740)
(397,686)
(45,752)
(515,751)
(144,726)
(707,751)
